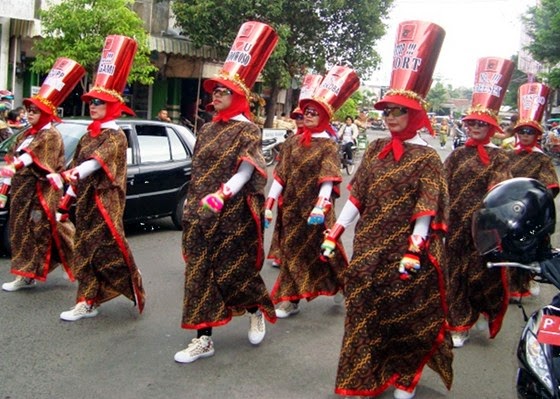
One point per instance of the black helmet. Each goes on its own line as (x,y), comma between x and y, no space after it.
(515,222)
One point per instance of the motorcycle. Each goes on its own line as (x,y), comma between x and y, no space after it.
(271,150)
(538,351)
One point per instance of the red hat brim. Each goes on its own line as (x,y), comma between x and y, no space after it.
(297,111)
(532,124)
(485,118)
(210,84)
(100,95)
(43,107)
(400,100)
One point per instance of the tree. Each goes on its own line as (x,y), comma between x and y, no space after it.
(314,35)
(542,24)
(437,96)
(77,29)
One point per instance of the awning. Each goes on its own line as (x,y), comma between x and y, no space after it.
(172,45)
(24,28)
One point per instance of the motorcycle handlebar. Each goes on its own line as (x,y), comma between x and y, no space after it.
(533,266)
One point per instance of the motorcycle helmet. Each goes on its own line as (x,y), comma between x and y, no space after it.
(515,222)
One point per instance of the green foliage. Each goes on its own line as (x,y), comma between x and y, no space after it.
(542,23)
(437,96)
(350,107)
(77,29)
(315,35)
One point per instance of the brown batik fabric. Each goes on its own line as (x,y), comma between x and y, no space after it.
(301,171)
(224,252)
(473,288)
(535,165)
(104,264)
(39,243)
(393,328)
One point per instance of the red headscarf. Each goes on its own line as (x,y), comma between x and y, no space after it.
(324,125)
(417,119)
(114,111)
(519,148)
(44,119)
(239,105)
(479,144)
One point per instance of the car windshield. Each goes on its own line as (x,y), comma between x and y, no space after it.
(71,134)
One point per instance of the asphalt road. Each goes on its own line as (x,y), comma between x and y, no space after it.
(121,354)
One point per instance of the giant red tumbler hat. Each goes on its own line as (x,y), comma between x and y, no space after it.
(531,102)
(492,78)
(416,52)
(337,86)
(249,53)
(114,67)
(61,80)
(308,86)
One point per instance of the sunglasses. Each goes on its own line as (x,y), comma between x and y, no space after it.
(473,123)
(33,110)
(96,102)
(394,111)
(527,130)
(222,91)
(298,117)
(311,112)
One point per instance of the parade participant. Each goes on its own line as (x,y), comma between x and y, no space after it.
(302,274)
(395,285)
(528,160)
(308,85)
(103,262)
(471,170)
(39,244)
(347,135)
(222,236)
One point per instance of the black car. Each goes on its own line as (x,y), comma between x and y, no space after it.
(159,158)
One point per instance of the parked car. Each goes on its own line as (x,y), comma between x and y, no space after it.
(159,158)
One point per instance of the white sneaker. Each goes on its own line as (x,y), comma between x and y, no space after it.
(459,338)
(534,288)
(338,298)
(402,394)
(257,327)
(80,311)
(19,283)
(199,347)
(286,309)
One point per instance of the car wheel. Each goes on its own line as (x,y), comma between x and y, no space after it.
(177,216)
(6,246)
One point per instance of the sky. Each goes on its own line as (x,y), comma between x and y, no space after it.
(473,29)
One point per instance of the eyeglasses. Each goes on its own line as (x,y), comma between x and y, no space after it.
(298,117)
(96,102)
(311,112)
(222,91)
(527,130)
(395,111)
(33,110)
(473,123)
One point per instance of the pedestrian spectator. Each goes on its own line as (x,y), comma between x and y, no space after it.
(39,244)
(22,116)
(471,170)
(222,237)
(303,275)
(394,286)
(103,262)
(347,135)
(528,160)
(5,131)
(163,116)
(14,120)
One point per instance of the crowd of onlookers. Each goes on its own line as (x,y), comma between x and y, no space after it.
(11,119)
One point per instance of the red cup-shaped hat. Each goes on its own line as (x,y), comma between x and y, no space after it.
(531,102)
(415,56)
(249,53)
(492,78)
(337,86)
(114,67)
(308,85)
(61,80)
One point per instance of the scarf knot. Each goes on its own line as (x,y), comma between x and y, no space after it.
(479,144)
